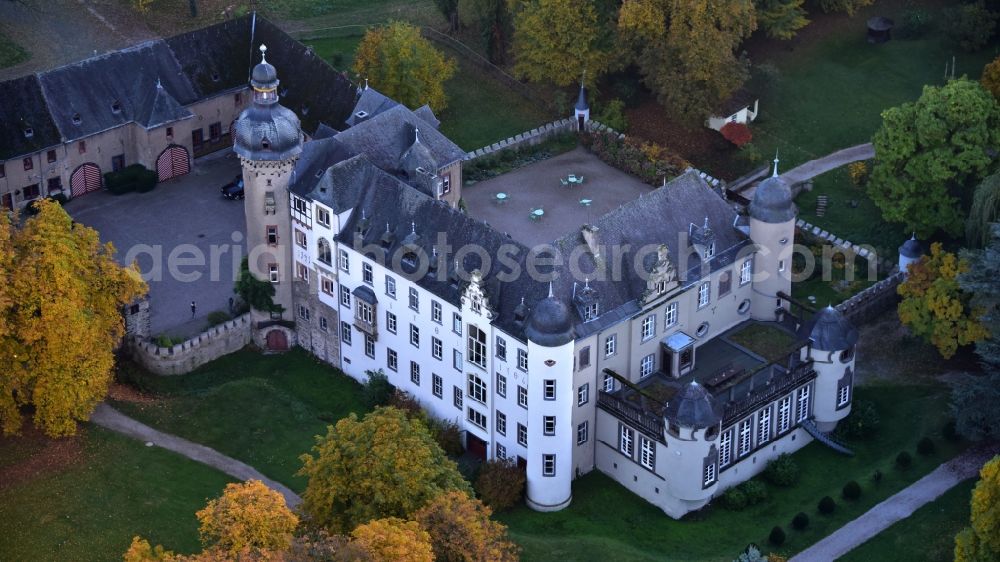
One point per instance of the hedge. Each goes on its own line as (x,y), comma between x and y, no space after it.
(130,178)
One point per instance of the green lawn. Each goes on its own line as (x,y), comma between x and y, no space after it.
(928,534)
(91,510)
(261,409)
(10,52)
(767,341)
(338,50)
(607,522)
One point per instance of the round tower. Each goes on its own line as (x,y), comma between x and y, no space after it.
(909,252)
(581,111)
(693,419)
(772,229)
(832,347)
(551,396)
(268,140)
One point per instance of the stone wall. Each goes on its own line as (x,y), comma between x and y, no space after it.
(185,357)
(527,138)
(885,263)
(873,301)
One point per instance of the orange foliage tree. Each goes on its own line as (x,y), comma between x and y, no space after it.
(461,529)
(394,539)
(248,516)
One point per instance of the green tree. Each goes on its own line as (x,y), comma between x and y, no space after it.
(933,305)
(61,297)
(975,404)
(985,211)
(256,292)
(494,21)
(448,9)
(980,542)
(461,529)
(686,50)
(970,25)
(929,153)
(781,19)
(383,465)
(981,281)
(404,66)
(847,6)
(558,40)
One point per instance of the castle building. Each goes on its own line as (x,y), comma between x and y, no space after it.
(629,370)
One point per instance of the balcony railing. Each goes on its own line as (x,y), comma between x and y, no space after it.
(781,382)
(649,424)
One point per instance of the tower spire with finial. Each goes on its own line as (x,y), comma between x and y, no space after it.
(775,174)
(551,294)
(263,53)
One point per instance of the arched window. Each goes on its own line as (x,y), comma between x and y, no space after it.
(323,248)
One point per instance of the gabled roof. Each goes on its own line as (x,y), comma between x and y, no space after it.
(385,137)
(24,108)
(163,109)
(427,114)
(371,102)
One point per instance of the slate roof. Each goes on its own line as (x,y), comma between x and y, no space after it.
(772,201)
(316,157)
(830,331)
(911,248)
(372,102)
(427,114)
(736,101)
(693,406)
(23,108)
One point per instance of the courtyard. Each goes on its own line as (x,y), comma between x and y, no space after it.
(565,208)
(187,240)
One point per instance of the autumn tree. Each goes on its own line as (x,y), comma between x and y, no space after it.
(248,517)
(61,296)
(384,465)
(500,483)
(493,20)
(394,539)
(320,546)
(461,529)
(448,9)
(781,19)
(847,6)
(686,50)
(990,80)
(404,66)
(980,281)
(980,542)
(930,153)
(934,307)
(557,41)
(141,551)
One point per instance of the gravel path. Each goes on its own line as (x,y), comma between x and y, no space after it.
(898,507)
(829,162)
(108,417)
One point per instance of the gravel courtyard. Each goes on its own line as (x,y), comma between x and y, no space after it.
(186,217)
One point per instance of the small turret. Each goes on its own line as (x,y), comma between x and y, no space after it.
(832,342)
(772,229)
(909,252)
(692,419)
(581,111)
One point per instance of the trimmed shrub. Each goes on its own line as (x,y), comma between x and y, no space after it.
(777,536)
(800,521)
(925,446)
(377,391)
(861,424)
(950,431)
(755,491)
(851,491)
(500,484)
(164,340)
(782,471)
(130,178)
(613,115)
(734,499)
(737,133)
(448,435)
(827,505)
(903,460)
(217,317)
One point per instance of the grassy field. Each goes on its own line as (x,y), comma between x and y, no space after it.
(767,341)
(337,50)
(606,522)
(261,409)
(10,52)
(91,509)
(928,534)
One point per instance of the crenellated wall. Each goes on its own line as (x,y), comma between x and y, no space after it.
(185,357)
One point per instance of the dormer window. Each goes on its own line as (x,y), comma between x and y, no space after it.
(29,132)
(361,114)
(587,303)
(319,173)
(116,107)
(590,311)
(76,119)
(215,77)
(710,251)
(265,144)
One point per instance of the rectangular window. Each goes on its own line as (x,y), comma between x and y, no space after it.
(582,433)
(477,389)
(272,272)
(843,395)
(501,347)
(522,359)
(50,156)
(803,411)
(610,345)
(345,261)
(437,385)
(197,138)
(785,414)
(725,283)
(83,145)
(392,360)
(31,192)
(648,327)
(369,346)
(300,238)
(446,183)
(390,322)
(764,425)
(501,385)
(456,396)
(54,184)
(456,323)
(647,453)
(522,396)
(3,170)
(522,435)
(367,275)
(501,423)
(670,316)
(345,333)
(390,286)
(414,336)
(703,294)
(477,346)
(414,299)
(437,348)
(709,474)
(415,373)
(365,312)
(584,358)
(237,99)
(436,311)
(303,312)
(781,265)
(272,234)
(501,452)
(746,271)
(746,436)
(548,465)
(549,389)
(646,365)
(583,394)
(609,383)
(323,217)
(549,425)
(456,360)
(477,418)
(170,132)
(215,131)
(726,448)
(625,441)
(327,285)
(302,272)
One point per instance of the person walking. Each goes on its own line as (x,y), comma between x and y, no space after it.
(194,308)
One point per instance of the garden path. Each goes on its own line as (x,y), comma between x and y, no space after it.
(108,417)
(899,506)
(829,162)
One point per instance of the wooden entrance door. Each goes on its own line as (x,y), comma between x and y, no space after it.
(85,179)
(475,446)
(172,162)
(277,341)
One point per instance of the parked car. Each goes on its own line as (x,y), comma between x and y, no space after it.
(234,189)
